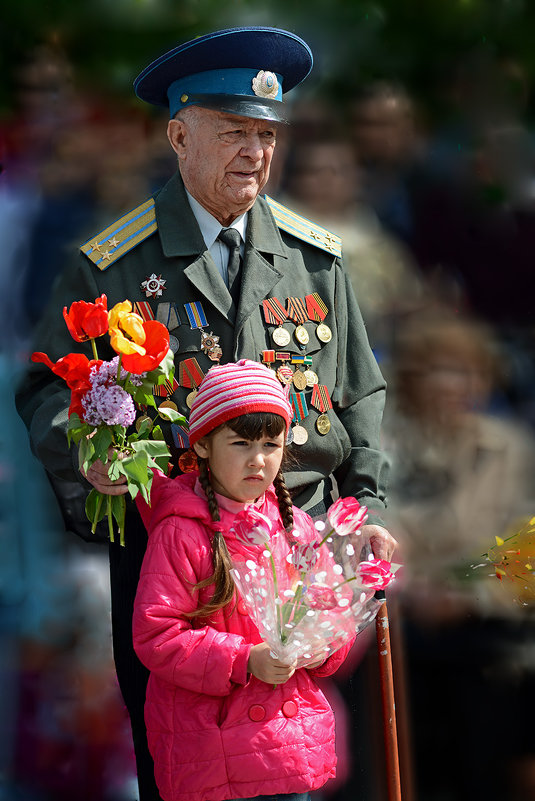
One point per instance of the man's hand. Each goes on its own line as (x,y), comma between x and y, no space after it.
(267,667)
(382,542)
(97,475)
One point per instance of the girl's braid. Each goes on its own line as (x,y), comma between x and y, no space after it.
(285,501)
(221,577)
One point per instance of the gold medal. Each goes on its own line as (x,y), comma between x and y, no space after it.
(190,398)
(324,333)
(301,334)
(281,337)
(299,380)
(300,435)
(144,419)
(311,378)
(323,424)
(168,404)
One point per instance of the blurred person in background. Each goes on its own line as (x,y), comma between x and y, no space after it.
(389,144)
(460,476)
(324,182)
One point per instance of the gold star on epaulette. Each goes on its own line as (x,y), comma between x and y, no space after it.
(304,229)
(122,236)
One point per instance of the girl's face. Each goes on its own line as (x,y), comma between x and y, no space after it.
(241,469)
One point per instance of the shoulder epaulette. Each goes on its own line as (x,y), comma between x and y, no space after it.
(122,236)
(304,229)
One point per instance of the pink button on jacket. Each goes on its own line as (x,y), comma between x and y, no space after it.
(216,732)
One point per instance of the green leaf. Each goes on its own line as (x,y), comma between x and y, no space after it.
(118,510)
(101,441)
(171,415)
(154,448)
(95,508)
(157,433)
(135,468)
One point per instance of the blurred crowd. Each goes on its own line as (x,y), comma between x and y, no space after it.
(438,227)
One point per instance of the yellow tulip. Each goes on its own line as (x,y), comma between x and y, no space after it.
(127,334)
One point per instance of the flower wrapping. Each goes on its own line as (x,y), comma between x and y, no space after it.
(309,592)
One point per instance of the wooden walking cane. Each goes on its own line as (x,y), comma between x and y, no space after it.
(386,678)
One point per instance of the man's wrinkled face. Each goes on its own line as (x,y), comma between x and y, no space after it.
(224,159)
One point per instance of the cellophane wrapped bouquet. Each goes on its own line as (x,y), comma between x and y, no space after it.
(309,591)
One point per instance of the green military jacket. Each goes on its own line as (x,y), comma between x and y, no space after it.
(285,256)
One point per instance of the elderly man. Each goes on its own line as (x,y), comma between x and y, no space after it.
(232,275)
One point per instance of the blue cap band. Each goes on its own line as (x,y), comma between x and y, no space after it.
(236,81)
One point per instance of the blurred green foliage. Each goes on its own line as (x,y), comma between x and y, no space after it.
(416,41)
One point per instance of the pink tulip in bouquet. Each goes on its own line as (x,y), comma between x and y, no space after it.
(309,591)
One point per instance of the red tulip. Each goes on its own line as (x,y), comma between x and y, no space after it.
(74,369)
(156,345)
(87,320)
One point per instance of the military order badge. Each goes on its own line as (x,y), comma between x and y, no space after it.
(153,286)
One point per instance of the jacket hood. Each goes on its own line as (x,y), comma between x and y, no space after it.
(173,496)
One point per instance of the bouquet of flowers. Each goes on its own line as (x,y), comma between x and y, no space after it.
(104,397)
(513,559)
(310,592)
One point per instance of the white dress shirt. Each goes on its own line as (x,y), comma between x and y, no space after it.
(210,228)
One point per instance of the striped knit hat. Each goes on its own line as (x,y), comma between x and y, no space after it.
(230,390)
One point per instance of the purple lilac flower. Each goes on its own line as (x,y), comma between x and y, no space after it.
(106,402)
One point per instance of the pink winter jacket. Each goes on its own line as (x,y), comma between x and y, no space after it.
(216,732)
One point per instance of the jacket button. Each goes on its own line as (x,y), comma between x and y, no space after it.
(289,709)
(242,609)
(257,712)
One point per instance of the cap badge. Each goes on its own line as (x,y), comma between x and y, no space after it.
(265,84)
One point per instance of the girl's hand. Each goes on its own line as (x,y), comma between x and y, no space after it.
(266,667)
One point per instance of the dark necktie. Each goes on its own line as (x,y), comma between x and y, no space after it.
(232,239)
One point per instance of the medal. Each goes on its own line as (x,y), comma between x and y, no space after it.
(297,312)
(196,315)
(311,377)
(323,424)
(301,334)
(173,343)
(275,314)
(166,389)
(210,346)
(180,435)
(153,286)
(300,435)
(317,311)
(268,357)
(190,398)
(299,380)
(187,461)
(168,404)
(190,376)
(321,400)
(300,411)
(167,314)
(281,337)
(324,333)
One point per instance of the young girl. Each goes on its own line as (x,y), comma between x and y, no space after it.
(225,719)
